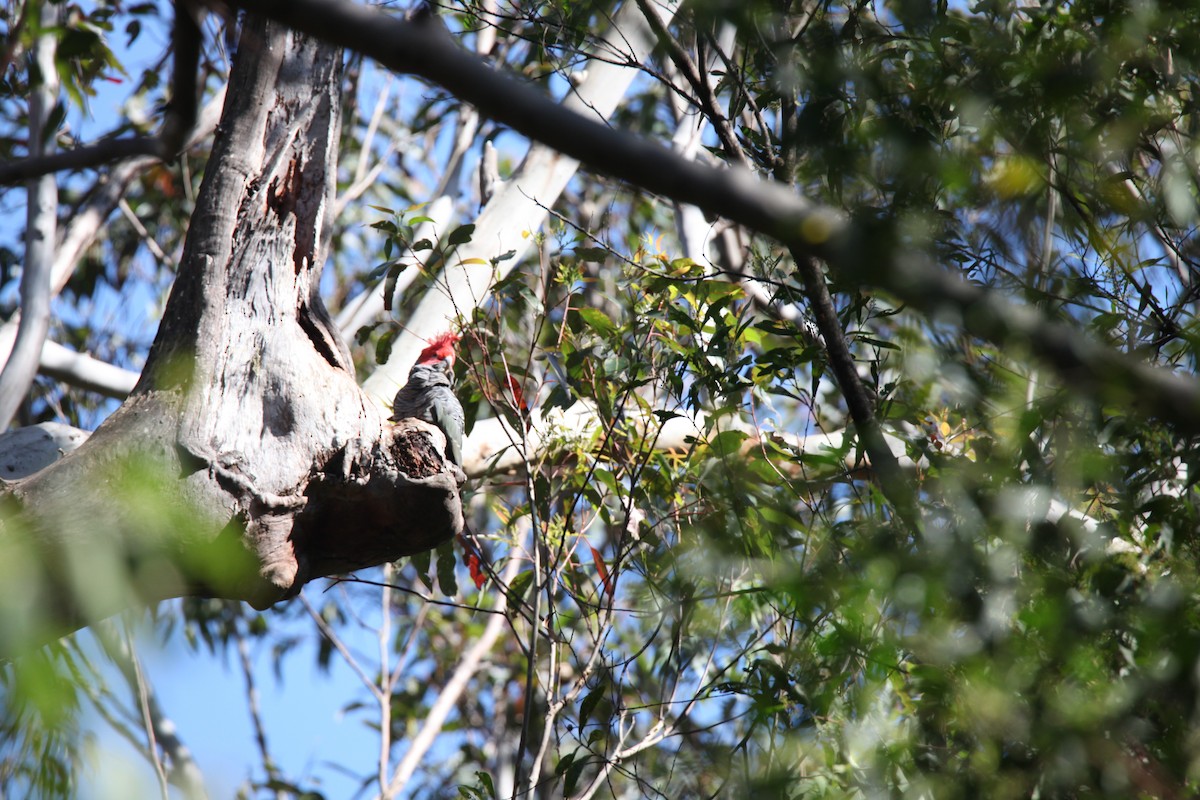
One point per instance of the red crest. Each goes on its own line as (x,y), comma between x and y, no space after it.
(440,347)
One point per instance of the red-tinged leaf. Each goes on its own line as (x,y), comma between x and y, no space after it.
(518,394)
(477,573)
(602,569)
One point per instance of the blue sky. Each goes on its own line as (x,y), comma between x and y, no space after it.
(205,696)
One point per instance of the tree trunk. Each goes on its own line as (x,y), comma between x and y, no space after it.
(247,461)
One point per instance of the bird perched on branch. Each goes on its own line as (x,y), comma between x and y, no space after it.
(429,395)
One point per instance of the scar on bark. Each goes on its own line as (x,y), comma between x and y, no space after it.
(360,511)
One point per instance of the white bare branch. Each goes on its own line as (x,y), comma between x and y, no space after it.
(41,223)
(86,372)
(518,208)
(453,689)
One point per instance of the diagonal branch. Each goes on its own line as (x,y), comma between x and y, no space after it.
(451,691)
(705,96)
(103,152)
(893,482)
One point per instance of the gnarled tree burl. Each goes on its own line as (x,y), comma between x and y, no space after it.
(247,461)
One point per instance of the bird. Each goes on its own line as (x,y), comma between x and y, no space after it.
(429,394)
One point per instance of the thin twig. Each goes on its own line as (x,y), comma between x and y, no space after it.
(151,245)
(260,731)
(448,697)
(385,689)
(340,646)
(160,731)
(143,694)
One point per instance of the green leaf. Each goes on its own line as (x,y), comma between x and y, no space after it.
(389,286)
(485,779)
(383,348)
(590,701)
(421,562)
(505,256)
(460,235)
(54,122)
(380,271)
(727,443)
(517,589)
(484,790)
(597,320)
(447,560)
(364,333)
(877,342)
(572,776)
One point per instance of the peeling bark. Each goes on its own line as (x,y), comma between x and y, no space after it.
(246,461)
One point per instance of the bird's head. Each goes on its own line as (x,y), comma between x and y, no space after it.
(440,348)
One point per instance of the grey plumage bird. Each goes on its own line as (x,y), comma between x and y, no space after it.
(429,394)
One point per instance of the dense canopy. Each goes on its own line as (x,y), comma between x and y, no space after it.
(830,378)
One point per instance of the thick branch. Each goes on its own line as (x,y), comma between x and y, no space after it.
(180,115)
(80,369)
(94,155)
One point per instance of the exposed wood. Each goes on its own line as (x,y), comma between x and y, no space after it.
(246,461)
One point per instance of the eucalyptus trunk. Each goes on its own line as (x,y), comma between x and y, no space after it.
(247,461)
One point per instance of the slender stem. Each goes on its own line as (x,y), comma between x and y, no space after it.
(534,633)
(451,692)
(260,731)
(385,688)
(340,646)
(892,480)
(143,693)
